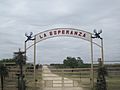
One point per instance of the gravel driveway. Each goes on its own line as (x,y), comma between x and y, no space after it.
(54,82)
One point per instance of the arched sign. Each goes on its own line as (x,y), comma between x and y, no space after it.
(69,32)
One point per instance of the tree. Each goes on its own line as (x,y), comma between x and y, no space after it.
(7,60)
(101,81)
(71,62)
(80,61)
(3,74)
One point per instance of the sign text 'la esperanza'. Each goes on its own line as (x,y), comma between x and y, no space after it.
(62,32)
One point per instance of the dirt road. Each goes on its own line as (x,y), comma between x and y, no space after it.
(52,81)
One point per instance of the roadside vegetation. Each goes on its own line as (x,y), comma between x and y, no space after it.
(75,67)
(3,74)
(72,62)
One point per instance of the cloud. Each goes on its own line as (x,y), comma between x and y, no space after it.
(19,17)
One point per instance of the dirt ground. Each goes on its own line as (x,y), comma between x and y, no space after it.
(55,81)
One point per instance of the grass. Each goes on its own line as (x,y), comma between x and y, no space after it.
(83,78)
(113,83)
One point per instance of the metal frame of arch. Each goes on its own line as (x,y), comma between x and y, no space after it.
(66,32)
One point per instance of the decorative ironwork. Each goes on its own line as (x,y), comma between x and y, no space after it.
(29,37)
(97,34)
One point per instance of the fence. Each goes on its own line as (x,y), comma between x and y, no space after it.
(59,78)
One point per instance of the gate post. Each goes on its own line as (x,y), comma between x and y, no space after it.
(102,52)
(35,60)
(92,69)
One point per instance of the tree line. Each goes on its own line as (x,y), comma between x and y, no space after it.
(72,62)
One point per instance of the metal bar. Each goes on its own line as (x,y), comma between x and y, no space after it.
(111,61)
(35,59)
(102,52)
(25,56)
(97,44)
(92,71)
(25,48)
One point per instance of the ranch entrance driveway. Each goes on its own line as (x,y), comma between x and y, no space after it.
(52,81)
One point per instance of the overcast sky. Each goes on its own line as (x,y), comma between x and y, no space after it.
(20,16)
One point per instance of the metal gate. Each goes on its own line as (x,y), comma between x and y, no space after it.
(48,77)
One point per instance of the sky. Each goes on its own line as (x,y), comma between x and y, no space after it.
(18,17)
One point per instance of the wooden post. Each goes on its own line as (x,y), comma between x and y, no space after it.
(62,78)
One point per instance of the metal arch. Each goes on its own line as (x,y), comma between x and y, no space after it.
(62,28)
(37,42)
(61,32)
(89,40)
(61,36)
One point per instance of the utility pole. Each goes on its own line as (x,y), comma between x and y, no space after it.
(20,60)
